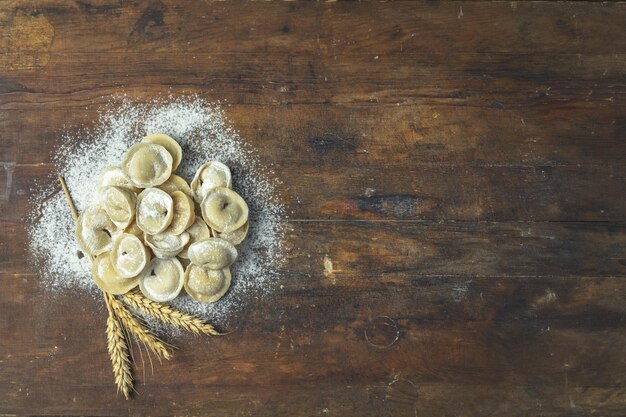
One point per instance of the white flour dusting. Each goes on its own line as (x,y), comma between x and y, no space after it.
(204,134)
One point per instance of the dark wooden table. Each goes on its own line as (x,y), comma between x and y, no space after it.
(455,170)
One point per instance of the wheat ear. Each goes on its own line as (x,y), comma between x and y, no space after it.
(133,325)
(116,340)
(118,351)
(169,315)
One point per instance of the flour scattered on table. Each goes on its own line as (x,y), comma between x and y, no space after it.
(204,134)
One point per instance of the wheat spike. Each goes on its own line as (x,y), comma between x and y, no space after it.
(169,315)
(128,320)
(118,351)
(116,340)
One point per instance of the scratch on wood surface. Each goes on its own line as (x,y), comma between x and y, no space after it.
(9,167)
(548,297)
(280,341)
(328,269)
(403,393)
(382,332)
(572,405)
(244,367)
(459,291)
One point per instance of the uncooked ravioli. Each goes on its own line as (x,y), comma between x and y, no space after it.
(147,165)
(105,276)
(166,245)
(224,210)
(236,236)
(212,253)
(184,213)
(137,238)
(163,280)
(155,209)
(119,203)
(129,256)
(113,176)
(209,176)
(169,144)
(206,285)
(94,230)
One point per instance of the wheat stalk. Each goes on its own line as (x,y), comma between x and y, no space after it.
(118,351)
(116,339)
(130,322)
(169,315)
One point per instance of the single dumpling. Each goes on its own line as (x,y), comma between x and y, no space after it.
(168,143)
(94,230)
(107,279)
(163,280)
(211,175)
(184,213)
(165,245)
(114,176)
(119,203)
(224,210)
(197,231)
(175,183)
(212,253)
(129,256)
(147,165)
(206,285)
(236,236)
(155,209)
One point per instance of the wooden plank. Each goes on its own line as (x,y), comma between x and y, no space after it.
(390,252)
(431,135)
(164,26)
(341,56)
(378,250)
(500,81)
(434,169)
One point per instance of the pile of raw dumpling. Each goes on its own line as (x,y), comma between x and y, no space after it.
(151,229)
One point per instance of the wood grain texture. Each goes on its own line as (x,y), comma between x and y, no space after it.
(454,176)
